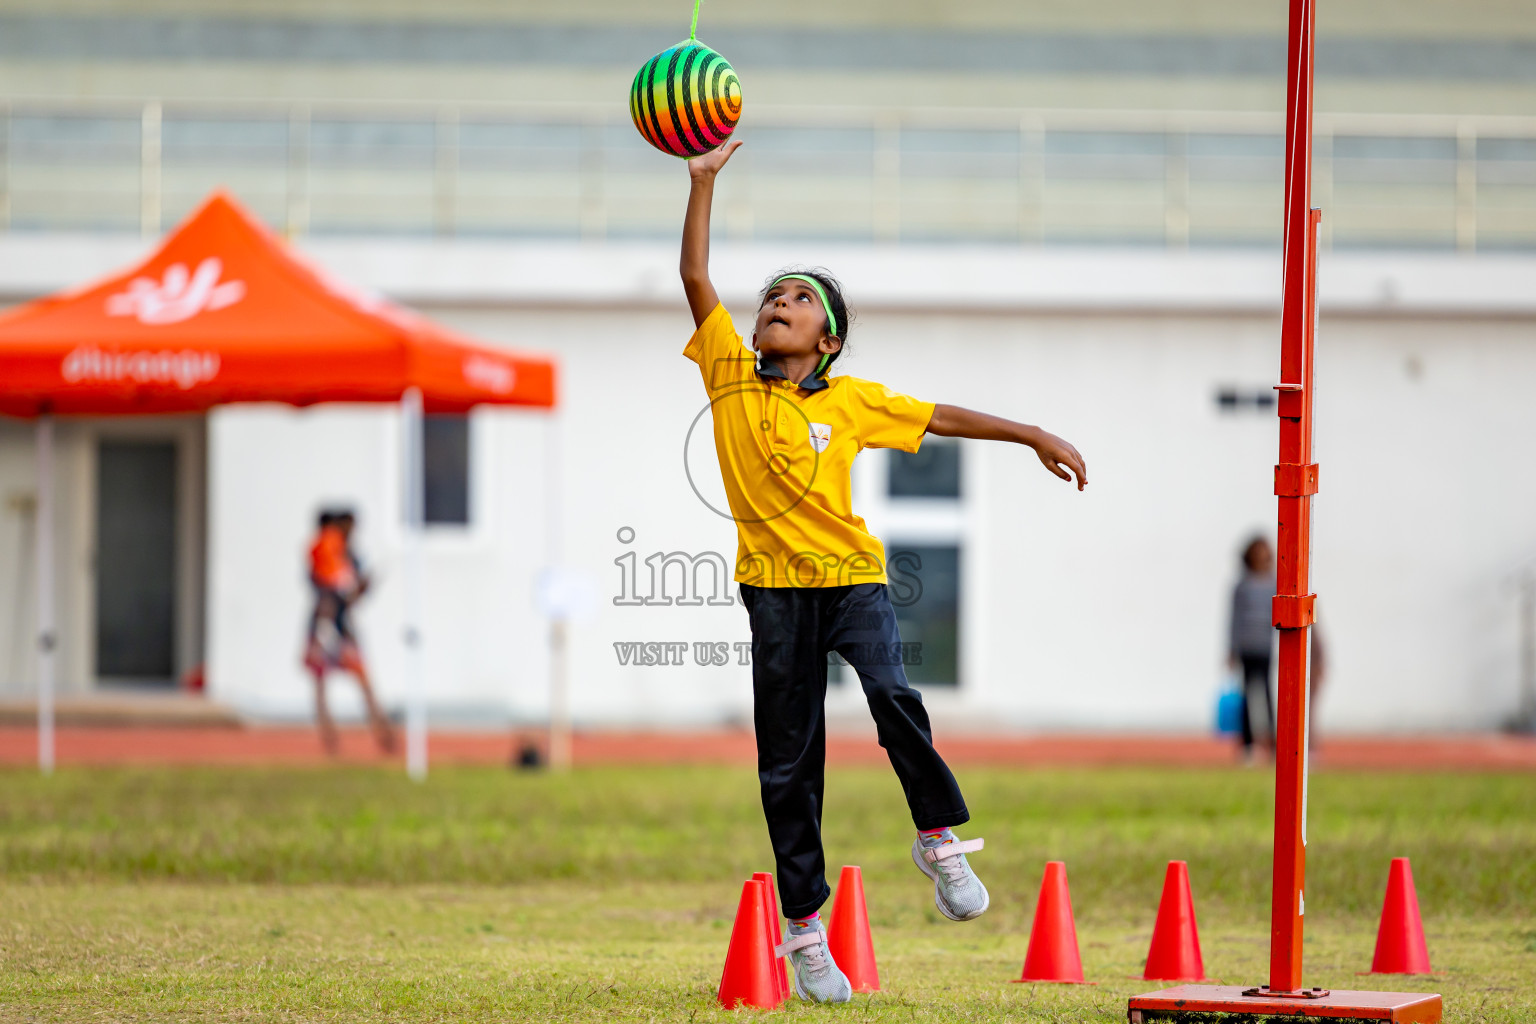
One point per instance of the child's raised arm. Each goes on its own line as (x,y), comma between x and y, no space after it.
(702,297)
(1058,456)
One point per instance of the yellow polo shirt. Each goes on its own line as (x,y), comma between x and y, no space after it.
(786,456)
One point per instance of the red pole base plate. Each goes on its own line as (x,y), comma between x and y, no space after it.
(1399,1007)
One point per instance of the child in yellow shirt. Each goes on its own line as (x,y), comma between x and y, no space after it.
(812,576)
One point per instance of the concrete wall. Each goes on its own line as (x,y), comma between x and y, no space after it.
(1097,610)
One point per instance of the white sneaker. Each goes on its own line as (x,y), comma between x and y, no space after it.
(818,979)
(957,892)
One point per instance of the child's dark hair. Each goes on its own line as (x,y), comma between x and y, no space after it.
(336,515)
(834,289)
(1251,551)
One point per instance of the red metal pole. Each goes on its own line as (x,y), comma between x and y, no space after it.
(1295,482)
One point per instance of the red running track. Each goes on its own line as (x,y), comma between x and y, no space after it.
(99,745)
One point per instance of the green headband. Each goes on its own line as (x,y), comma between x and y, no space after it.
(825,304)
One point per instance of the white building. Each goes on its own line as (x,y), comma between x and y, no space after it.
(1099,610)
(1064,213)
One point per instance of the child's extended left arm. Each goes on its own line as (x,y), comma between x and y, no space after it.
(1057,455)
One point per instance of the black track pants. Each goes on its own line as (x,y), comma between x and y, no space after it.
(1257,701)
(793,628)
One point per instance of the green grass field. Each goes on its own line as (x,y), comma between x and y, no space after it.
(486,895)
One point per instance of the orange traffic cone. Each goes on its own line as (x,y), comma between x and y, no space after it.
(1053,954)
(848,936)
(748,978)
(1400,947)
(1175,951)
(771,912)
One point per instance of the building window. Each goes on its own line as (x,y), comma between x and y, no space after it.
(925,588)
(916,503)
(1231,399)
(445,464)
(931,472)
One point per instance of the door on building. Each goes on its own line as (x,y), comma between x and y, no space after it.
(136,561)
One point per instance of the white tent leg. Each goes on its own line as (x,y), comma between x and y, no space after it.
(415,683)
(47,641)
(559,678)
(559,699)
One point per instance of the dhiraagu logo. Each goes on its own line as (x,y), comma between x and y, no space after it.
(185,369)
(489,375)
(178,295)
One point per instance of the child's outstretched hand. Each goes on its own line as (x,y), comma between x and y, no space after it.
(708,165)
(1061,458)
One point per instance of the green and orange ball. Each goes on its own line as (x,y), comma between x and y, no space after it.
(686,100)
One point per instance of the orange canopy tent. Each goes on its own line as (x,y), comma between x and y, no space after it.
(224,311)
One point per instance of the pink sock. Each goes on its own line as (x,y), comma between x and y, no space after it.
(801,922)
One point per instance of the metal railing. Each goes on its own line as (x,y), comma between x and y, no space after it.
(872,175)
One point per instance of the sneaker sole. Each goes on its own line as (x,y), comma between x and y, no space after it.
(938,895)
(800,993)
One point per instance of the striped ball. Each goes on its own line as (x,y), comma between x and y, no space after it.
(686,99)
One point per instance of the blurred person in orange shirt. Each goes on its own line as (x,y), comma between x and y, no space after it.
(338,582)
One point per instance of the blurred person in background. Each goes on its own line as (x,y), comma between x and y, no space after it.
(1250,640)
(338,581)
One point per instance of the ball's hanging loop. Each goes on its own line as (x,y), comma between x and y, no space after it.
(693,30)
(686,100)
